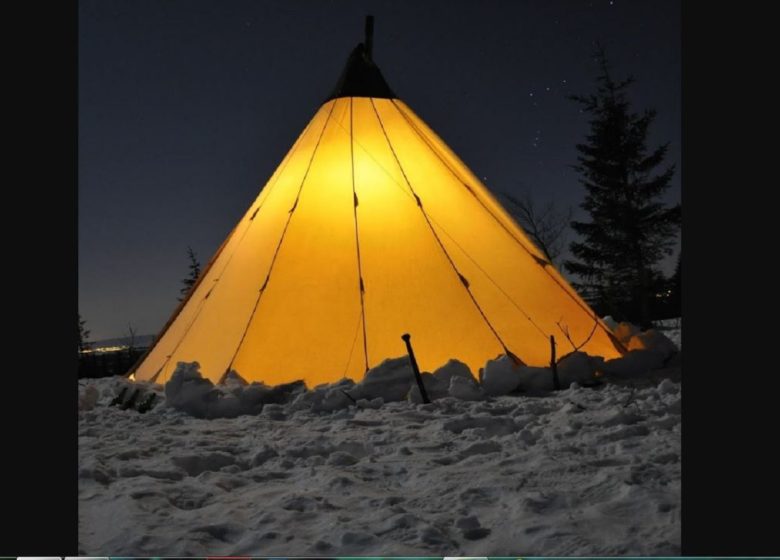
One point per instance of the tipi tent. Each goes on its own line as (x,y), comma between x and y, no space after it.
(371,227)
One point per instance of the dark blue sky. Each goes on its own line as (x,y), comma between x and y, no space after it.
(187,106)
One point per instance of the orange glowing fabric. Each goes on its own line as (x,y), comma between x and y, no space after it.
(371,227)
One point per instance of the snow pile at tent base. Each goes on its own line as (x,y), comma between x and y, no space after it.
(393,380)
(582,471)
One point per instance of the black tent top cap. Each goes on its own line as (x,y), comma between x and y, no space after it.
(361,76)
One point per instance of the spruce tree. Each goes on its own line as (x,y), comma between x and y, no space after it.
(193,275)
(630,229)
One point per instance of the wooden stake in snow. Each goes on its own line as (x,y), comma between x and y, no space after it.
(554,364)
(407,339)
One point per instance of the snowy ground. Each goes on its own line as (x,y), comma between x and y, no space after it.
(672,328)
(583,471)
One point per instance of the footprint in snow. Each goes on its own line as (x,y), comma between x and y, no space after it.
(476,534)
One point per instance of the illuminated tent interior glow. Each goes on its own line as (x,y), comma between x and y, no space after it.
(371,227)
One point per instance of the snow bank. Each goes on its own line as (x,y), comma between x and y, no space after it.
(500,376)
(648,351)
(577,367)
(624,331)
(653,340)
(189,392)
(393,381)
(585,471)
(453,368)
(352,468)
(610,322)
(435,387)
(390,380)
(88,397)
(466,389)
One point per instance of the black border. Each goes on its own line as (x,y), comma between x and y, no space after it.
(39,416)
(731,478)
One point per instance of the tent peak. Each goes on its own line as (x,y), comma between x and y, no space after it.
(361,76)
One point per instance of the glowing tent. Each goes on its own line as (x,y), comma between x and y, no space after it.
(371,227)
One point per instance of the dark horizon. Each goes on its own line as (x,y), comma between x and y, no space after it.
(186,108)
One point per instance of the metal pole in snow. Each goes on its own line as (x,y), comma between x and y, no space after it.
(554,365)
(407,339)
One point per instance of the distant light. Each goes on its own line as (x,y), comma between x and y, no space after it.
(104,349)
(131,377)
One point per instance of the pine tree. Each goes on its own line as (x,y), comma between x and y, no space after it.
(630,228)
(192,277)
(83,335)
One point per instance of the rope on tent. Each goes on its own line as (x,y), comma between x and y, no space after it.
(493,281)
(441,245)
(213,261)
(352,348)
(153,379)
(281,239)
(542,262)
(444,230)
(361,286)
(202,302)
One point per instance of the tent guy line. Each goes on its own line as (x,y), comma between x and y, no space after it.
(213,260)
(432,218)
(279,245)
(443,229)
(462,278)
(362,286)
(542,262)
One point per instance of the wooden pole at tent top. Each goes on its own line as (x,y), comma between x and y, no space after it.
(369,43)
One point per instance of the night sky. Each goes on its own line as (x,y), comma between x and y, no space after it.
(186,108)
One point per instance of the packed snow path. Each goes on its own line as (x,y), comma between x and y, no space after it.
(577,472)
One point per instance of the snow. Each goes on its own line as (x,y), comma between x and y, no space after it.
(390,380)
(647,351)
(672,328)
(189,392)
(500,376)
(498,468)
(624,331)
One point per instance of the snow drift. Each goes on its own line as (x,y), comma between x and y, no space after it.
(497,463)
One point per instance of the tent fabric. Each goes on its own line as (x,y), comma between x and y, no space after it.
(371,227)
